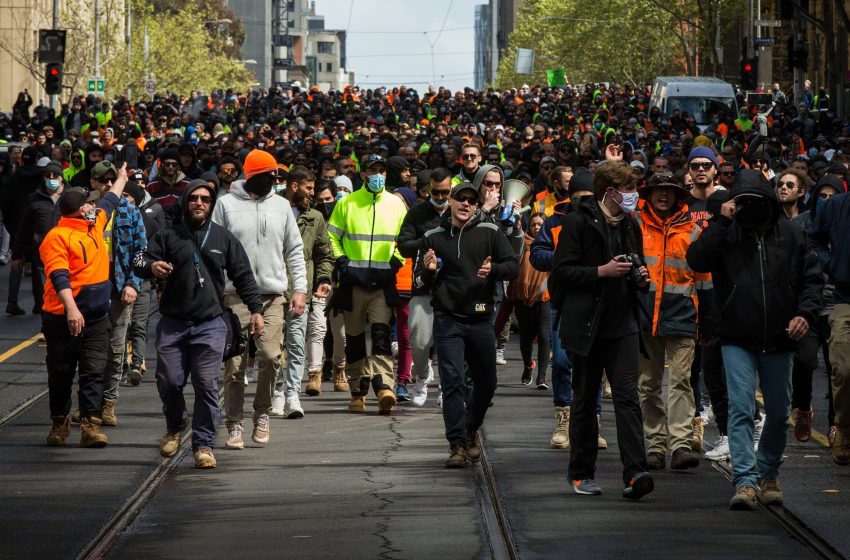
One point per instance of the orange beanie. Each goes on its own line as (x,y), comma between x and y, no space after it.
(258,162)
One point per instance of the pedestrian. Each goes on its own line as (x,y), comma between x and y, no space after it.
(75,314)
(461,262)
(596,274)
(767,292)
(193,255)
(170,184)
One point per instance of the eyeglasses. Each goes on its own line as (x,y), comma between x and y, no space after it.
(169,164)
(790,184)
(700,165)
(491,183)
(469,156)
(205,199)
(470,199)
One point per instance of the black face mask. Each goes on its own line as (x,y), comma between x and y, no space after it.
(326,209)
(260,185)
(753,215)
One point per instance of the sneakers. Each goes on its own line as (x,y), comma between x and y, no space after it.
(526,375)
(500,356)
(401,393)
(720,452)
(684,458)
(60,430)
(386,402)
(292,408)
(357,405)
(261,429)
(803,424)
(639,486)
(745,499)
(561,434)
(473,446)
(340,381)
(169,444)
(707,414)
(135,377)
(314,384)
(771,493)
(586,487)
(698,434)
(840,449)
(90,434)
(107,412)
(757,429)
(457,457)
(606,388)
(394,347)
(600,441)
(278,401)
(830,435)
(234,437)
(656,461)
(420,392)
(440,399)
(541,384)
(204,458)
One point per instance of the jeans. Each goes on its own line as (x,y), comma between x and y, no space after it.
(534,321)
(402,315)
(289,380)
(619,358)
(65,354)
(186,350)
(421,326)
(137,333)
(119,317)
(774,375)
(317,328)
(562,370)
(460,343)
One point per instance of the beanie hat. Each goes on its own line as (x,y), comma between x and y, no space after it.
(258,161)
(343,183)
(136,192)
(702,152)
(54,167)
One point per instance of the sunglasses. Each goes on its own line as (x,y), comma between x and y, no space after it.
(205,199)
(169,164)
(105,180)
(491,183)
(728,173)
(790,184)
(470,199)
(700,165)
(469,156)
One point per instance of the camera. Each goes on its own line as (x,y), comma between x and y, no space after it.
(634,274)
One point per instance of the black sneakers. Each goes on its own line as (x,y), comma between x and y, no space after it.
(639,486)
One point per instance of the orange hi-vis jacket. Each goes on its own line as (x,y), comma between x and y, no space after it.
(672,300)
(404,279)
(75,252)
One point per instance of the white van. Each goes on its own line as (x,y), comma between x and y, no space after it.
(699,97)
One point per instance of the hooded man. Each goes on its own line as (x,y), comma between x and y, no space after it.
(398,173)
(93,154)
(170,184)
(767,291)
(193,255)
(265,226)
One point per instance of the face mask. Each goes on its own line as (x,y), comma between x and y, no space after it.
(819,204)
(259,185)
(753,215)
(375,183)
(340,195)
(438,205)
(91,215)
(508,173)
(279,188)
(326,209)
(52,184)
(576,201)
(630,201)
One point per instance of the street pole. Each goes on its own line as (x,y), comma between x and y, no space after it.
(127,39)
(798,72)
(53,99)
(96,40)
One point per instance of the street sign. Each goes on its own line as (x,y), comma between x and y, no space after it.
(95,85)
(51,46)
(150,87)
(524,61)
(769,22)
(764,42)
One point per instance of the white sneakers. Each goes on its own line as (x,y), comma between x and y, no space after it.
(420,392)
(234,438)
(720,452)
(292,408)
(757,429)
(277,404)
(500,356)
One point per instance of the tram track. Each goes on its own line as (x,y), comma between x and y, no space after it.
(493,514)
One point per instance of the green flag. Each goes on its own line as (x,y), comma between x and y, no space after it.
(556,77)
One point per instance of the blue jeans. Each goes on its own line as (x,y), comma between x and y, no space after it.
(294,341)
(562,369)
(774,374)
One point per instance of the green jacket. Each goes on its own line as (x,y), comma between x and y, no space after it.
(317,251)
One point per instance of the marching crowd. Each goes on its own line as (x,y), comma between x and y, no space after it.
(278,231)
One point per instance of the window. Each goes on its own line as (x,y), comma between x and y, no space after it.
(326,47)
(329,67)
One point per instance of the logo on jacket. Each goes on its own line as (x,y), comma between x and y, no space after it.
(216,251)
(480,307)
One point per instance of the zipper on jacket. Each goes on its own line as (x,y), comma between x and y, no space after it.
(82,245)
(372,235)
(760,239)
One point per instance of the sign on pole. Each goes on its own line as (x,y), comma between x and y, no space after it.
(524,61)
(769,23)
(95,85)
(150,87)
(51,46)
(764,42)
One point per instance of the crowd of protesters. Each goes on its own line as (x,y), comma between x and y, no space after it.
(621,238)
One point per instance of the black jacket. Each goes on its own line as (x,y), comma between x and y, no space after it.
(583,246)
(419,220)
(761,280)
(40,215)
(455,286)
(184,298)
(16,195)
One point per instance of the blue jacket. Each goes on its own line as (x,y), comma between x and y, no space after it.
(128,239)
(828,237)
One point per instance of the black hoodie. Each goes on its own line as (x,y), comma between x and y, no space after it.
(762,278)
(395,165)
(184,297)
(83,178)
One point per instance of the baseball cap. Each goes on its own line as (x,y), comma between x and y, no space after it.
(73,199)
(102,168)
(373,159)
(464,186)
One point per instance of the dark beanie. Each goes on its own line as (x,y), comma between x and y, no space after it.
(582,180)
(703,152)
(136,192)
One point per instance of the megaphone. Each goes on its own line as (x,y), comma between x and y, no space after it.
(514,189)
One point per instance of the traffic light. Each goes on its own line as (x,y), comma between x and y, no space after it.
(749,74)
(53,79)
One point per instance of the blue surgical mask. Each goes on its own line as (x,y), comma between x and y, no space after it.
(630,201)
(819,204)
(52,185)
(375,183)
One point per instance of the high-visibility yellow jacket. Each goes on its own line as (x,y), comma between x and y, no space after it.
(362,231)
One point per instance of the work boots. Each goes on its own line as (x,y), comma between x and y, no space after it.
(90,434)
(386,401)
(561,433)
(314,384)
(61,429)
(340,381)
(357,404)
(107,412)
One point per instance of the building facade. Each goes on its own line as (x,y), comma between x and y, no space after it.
(494,23)
(20,21)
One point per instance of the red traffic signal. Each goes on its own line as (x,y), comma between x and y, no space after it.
(53,79)
(748,67)
(53,71)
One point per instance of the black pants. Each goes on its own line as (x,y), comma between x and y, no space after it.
(619,358)
(535,321)
(714,377)
(805,364)
(65,354)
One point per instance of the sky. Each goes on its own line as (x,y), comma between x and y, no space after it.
(388,44)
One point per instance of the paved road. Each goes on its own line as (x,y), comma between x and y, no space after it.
(335,485)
